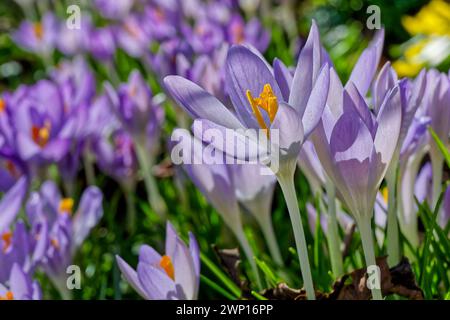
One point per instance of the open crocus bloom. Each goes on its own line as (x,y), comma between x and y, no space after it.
(173,276)
(258,101)
(20,286)
(38,37)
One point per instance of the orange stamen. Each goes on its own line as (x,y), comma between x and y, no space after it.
(166,264)
(66,205)
(38,30)
(7,240)
(8,296)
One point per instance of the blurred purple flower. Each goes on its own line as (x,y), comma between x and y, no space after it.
(173,276)
(38,37)
(116,9)
(65,232)
(20,286)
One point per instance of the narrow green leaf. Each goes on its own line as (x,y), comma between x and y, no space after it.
(217,288)
(441,146)
(258,296)
(221,275)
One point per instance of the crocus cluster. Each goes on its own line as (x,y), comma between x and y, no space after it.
(369,148)
(353,140)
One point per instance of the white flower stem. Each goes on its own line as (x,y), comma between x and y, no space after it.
(240,235)
(334,241)
(393,245)
(437,163)
(154,198)
(365,230)
(269,235)
(286,181)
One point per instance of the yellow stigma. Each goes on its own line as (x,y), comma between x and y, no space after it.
(38,30)
(66,205)
(266,101)
(41,135)
(2,105)
(385,194)
(7,240)
(166,264)
(8,296)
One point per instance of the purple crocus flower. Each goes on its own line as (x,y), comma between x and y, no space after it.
(66,233)
(436,107)
(173,276)
(20,286)
(114,9)
(350,143)
(38,134)
(253,33)
(22,247)
(101,43)
(11,203)
(251,82)
(132,37)
(17,245)
(216,182)
(38,37)
(74,41)
(134,107)
(116,156)
(248,76)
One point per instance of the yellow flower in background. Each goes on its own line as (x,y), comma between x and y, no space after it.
(432,19)
(431,43)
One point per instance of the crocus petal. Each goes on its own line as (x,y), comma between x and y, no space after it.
(56,149)
(149,255)
(198,103)
(11,203)
(316,102)
(20,283)
(195,253)
(184,270)
(288,122)
(246,71)
(353,99)
(88,214)
(367,64)
(171,239)
(249,144)
(385,81)
(283,77)
(26,147)
(156,281)
(308,66)
(389,122)
(131,277)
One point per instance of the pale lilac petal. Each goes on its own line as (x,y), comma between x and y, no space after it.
(283,77)
(184,270)
(11,203)
(157,282)
(307,70)
(131,277)
(316,102)
(88,214)
(198,103)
